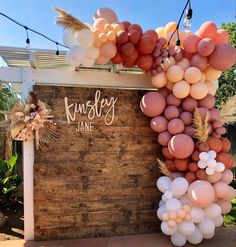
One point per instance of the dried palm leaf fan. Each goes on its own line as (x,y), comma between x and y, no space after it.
(164,170)
(201,126)
(68,21)
(228,111)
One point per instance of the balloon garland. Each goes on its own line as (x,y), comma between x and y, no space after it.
(196,163)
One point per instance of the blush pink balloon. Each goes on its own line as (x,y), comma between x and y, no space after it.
(225,206)
(159,124)
(221,189)
(201,193)
(108,50)
(227,176)
(230,194)
(107,14)
(205,47)
(207,102)
(189,130)
(199,61)
(175,126)
(101,59)
(189,104)
(181,146)
(186,117)
(215,177)
(152,104)
(164,137)
(172,100)
(171,112)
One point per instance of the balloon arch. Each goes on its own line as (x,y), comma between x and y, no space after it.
(184,67)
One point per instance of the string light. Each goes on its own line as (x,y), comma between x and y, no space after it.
(188,17)
(27,29)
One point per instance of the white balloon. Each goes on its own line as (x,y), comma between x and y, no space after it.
(84,38)
(197,214)
(69,38)
(178,239)
(212,154)
(162,203)
(186,228)
(173,205)
(185,200)
(220,167)
(203,156)
(168,230)
(208,236)
(88,62)
(201,164)
(76,53)
(207,226)
(218,221)
(210,171)
(168,194)
(160,211)
(163,183)
(179,186)
(213,211)
(211,163)
(92,52)
(196,237)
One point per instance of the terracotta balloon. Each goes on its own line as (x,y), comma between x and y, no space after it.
(171,112)
(186,117)
(181,89)
(181,146)
(226,145)
(128,49)
(222,37)
(189,104)
(159,124)
(207,30)
(122,37)
(226,159)
(205,47)
(192,75)
(201,193)
(175,73)
(107,14)
(172,100)
(152,104)
(199,90)
(108,50)
(134,36)
(117,59)
(190,43)
(175,126)
(223,57)
(207,102)
(199,61)
(146,44)
(145,62)
(164,137)
(126,25)
(212,74)
(135,27)
(153,34)
(214,144)
(164,92)
(190,176)
(189,130)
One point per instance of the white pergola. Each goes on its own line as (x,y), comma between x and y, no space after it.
(26,68)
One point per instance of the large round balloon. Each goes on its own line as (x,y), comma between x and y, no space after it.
(152,104)
(146,44)
(108,50)
(107,14)
(201,193)
(145,62)
(207,30)
(205,47)
(181,146)
(190,43)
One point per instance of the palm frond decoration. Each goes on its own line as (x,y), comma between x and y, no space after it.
(228,111)
(201,126)
(164,170)
(68,21)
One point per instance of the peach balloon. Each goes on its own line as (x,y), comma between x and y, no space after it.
(102,37)
(170,27)
(205,47)
(164,137)
(203,77)
(181,89)
(169,85)
(190,43)
(101,59)
(184,63)
(214,178)
(221,189)
(199,90)
(167,63)
(100,23)
(183,35)
(159,80)
(161,32)
(207,30)
(111,35)
(108,50)
(116,27)
(223,57)
(225,206)
(230,194)
(212,87)
(222,37)
(175,73)
(201,193)
(192,75)
(227,176)
(212,74)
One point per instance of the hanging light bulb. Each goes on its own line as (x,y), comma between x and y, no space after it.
(57,51)
(168,57)
(27,41)
(177,46)
(188,18)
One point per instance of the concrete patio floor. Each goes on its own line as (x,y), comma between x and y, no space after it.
(224,237)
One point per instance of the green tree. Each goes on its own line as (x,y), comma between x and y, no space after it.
(227,82)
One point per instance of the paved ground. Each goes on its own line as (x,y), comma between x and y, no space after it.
(225,237)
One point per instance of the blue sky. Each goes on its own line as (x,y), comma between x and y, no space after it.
(39,15)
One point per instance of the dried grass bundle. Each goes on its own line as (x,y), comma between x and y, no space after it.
(201,126)
(164,170)
(228,111)
(68,21)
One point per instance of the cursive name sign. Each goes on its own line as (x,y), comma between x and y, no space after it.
(90,109)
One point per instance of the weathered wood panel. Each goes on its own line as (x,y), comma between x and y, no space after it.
(98,183)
